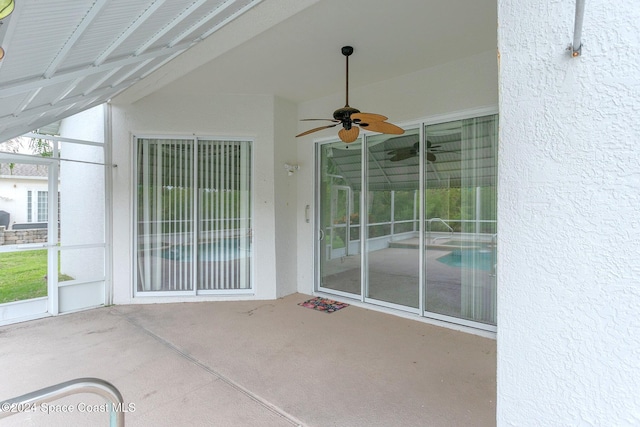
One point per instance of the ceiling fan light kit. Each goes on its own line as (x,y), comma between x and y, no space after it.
(352,119)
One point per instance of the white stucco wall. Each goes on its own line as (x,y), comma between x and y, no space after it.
(185,108)
(82,215)
(456,86)
(13,195)
(569,216)
(82,210)
(286,208)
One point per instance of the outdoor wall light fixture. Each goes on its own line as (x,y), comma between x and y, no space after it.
(291,168)
(6,7)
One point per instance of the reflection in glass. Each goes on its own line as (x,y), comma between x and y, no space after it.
(393,250)
(339,216)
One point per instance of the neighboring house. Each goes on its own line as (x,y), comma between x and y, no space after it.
(23,192)
(214,128)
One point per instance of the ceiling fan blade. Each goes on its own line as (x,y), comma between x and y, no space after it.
(315,130)
(349,135)
(431,157)
(383,127)
(368,117)
(326,120)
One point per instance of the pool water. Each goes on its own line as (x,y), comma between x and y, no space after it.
(220,251)
(479,259)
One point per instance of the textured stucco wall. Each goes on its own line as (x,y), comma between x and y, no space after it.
(82,210)
(569,215)
(82,214)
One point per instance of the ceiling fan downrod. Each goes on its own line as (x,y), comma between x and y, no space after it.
(347,51)
(344,114)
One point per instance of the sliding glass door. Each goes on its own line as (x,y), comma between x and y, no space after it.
(193,216)
(409,221)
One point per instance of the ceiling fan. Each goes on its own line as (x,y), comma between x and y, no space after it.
(352,119)
(408,152)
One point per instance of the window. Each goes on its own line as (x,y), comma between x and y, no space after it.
(42,206)
(37,208)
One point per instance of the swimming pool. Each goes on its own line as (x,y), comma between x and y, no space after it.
(227,250)
(479,259)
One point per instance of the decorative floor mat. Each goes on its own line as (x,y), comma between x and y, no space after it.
(323,304)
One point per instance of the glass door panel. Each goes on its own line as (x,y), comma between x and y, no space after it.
(393,247)
(224,223)
(164,215)
(460,218)
(339,217)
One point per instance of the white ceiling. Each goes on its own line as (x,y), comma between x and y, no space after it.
(299,58)
(290,48)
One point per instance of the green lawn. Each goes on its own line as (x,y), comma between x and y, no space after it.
(22,275)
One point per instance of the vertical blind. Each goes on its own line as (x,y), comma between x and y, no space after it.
(460,206)
(193,215)
(223,215)
(478,183)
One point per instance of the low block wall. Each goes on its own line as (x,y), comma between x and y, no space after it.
(20,237)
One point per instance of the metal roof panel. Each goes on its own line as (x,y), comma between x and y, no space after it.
(65,56)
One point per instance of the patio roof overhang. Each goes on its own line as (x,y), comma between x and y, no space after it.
(62,57)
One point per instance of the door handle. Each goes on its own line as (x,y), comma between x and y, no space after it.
(321,234)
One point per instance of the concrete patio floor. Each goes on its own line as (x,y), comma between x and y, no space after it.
(254,363)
